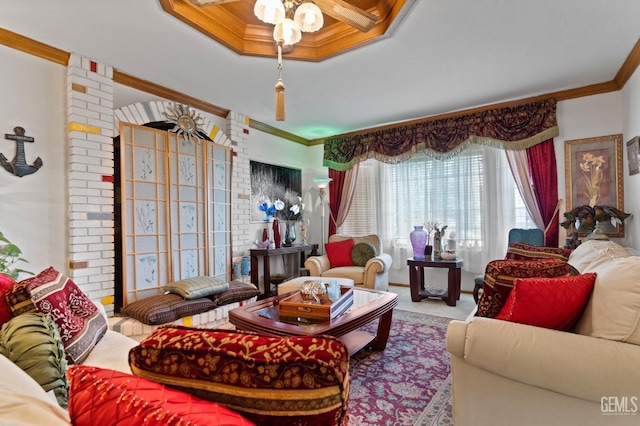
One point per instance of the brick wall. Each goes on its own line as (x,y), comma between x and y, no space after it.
(92,123)
(90,177)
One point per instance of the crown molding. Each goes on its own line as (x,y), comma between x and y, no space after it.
(44,51)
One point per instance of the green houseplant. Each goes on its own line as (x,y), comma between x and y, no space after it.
(9,256)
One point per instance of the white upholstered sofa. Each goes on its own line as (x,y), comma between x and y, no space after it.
(374,274)
(505,373)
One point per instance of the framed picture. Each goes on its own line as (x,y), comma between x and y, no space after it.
(270,183)
(633,147)
(593,176)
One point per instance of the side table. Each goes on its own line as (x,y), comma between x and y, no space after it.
(416,279)
(266,269)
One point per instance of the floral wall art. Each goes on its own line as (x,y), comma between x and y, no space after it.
(270,183)
(594,175)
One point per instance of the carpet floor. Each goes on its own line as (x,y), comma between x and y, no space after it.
(409,383)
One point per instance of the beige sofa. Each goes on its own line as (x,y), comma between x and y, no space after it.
(24,402)
(374,274)
(506,373)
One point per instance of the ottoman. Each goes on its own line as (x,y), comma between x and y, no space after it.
(295,283)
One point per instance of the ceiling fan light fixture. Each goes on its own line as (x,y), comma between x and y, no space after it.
(308,17)
(287,31)
(269,11)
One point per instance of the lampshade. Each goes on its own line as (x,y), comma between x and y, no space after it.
(269,11)
(287,31)
(322,183)
(308,18)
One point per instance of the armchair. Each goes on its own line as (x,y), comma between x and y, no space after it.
(374,274)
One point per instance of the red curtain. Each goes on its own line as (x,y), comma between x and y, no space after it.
(335,195)
(542,165)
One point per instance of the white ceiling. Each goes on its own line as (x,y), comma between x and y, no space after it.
(446,55)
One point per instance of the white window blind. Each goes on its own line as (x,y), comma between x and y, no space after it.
(472,193)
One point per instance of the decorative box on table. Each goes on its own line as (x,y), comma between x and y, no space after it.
(296,306)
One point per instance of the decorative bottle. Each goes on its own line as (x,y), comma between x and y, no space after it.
(277,238)
(418,239)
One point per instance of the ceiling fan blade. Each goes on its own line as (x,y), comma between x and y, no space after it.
(348,13)
(210,2)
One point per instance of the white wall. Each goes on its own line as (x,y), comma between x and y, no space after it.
(630,129)
(33,208)
(587,117)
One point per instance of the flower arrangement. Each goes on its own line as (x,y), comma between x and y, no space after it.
(293,210)
(268,209)
(587,217)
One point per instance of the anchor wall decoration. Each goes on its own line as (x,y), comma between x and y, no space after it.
(18,166)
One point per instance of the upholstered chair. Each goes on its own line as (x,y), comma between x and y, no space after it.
(373,273)
(533,236)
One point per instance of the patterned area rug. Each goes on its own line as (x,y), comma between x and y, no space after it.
(409,383)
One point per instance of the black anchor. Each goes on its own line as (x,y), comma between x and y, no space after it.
(18,166)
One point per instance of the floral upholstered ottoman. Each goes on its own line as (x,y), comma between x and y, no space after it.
(270,380)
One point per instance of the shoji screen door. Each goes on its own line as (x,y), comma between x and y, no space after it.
(176,209)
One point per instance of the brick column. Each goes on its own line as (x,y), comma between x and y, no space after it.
(238,133)
(90,178)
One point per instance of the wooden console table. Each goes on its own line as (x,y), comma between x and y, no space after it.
(416,279)
(266,269)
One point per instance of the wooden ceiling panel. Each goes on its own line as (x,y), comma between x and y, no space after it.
(235,26)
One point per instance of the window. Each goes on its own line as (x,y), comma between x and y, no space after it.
(473,193)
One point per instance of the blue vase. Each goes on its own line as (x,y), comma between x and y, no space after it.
(245,265)
(418,239)
(290,233)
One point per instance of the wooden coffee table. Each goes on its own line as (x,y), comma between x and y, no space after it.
(368,305)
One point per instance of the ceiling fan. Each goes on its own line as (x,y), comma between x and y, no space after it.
(337,9)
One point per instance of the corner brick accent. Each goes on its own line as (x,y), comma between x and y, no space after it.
(91,225)
(241,181)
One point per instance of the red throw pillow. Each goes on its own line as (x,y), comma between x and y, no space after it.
(500,275)
(6,283)
(548,302)
(97,394)
(79,321)
(339,253)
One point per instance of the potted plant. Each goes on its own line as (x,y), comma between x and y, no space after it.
(9,256)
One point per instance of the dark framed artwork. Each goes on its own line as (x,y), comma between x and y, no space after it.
(593,176)
(633,147)
(270,183)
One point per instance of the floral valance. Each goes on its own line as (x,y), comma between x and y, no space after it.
(516,127)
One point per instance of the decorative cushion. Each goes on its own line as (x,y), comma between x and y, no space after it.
(523,251)
(612,311)
(32,342)
(18,298)
(97,394)
(339,253)
(270,380)
(548,302)
(593,252)
(362,252)
(5,309)
(164,308)
(80,323)
(500,275)
(237,292)
(197,287)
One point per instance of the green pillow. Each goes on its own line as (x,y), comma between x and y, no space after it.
(33,343)
(197,287)
(362,252)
